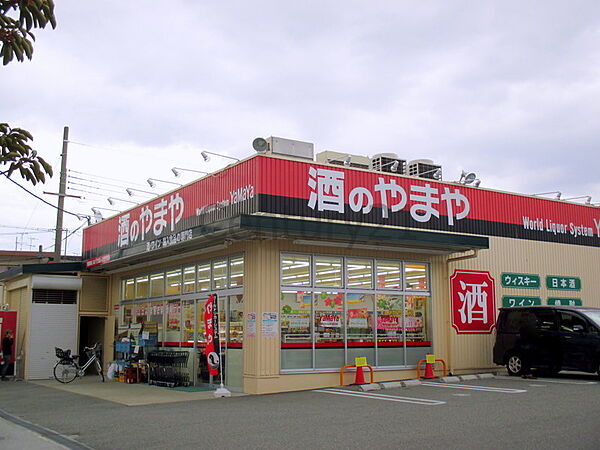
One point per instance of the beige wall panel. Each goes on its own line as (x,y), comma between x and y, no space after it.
(94,294)
(522,256)
(440,320)
(261,355)
(298,382)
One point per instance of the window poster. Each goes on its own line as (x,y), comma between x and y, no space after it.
(270,326)
(251,324)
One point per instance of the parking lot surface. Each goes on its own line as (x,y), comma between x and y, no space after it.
(498,413)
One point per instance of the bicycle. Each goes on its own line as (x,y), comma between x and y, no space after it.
(67,368)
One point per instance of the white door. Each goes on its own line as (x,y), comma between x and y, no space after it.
(50,325)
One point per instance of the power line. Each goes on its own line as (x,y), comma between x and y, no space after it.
(95,187)
(97,182)
(39,198)
(68,235)
(26,228)
(107,178)
(26,232)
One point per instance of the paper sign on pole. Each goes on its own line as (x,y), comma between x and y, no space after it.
(430,359)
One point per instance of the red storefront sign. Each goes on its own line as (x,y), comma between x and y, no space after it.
(211,323)
(473,301)
(273,186)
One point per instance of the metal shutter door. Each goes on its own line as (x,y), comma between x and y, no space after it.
(50,325)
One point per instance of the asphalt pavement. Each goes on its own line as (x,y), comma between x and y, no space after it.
(499,413)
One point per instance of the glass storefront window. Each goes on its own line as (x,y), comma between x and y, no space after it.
(154,325)
(126,317)
(295,270)
(359,325)
(236,271)
(390,338)
(329,329)
(379,317)
(236,319)
(359,273)
(203,277)
(219,273)
(328,271)
(188,318)
(140,313)
(173,282)
(389,275)
(189,279)
(141,287)
(157,284)
(296,330)
(416,319)
(128,289)
(415,277)
(173,330)
(235,354)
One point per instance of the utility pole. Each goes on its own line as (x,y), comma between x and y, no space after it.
(61,196)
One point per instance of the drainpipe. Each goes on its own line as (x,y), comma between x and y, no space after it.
(473,254)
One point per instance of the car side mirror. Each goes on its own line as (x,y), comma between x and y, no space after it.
(578,328)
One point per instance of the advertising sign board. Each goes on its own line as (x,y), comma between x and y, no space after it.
(473,301)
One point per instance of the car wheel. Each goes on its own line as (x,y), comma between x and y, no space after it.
(515,365)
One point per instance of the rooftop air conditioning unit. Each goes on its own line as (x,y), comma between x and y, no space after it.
(388,162)
(343,159)
(425,168)
(287,147)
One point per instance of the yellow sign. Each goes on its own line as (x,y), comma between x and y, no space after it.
(430,359)
(360,362)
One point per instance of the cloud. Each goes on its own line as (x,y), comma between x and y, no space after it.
(508,90)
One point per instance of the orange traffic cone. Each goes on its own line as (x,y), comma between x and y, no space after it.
(360,376)
(428,370)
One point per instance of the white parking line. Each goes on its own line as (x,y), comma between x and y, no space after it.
(389,398)
(473,388)
(548,381)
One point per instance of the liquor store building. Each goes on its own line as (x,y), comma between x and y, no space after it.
(315,264)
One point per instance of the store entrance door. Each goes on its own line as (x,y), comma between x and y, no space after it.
(231,335)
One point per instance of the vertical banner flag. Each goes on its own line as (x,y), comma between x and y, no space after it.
(211,324)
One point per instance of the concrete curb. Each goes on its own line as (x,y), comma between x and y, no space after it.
(467,377)
(484,376)
(415,382)
(450,379)
(370,387)
(391,385)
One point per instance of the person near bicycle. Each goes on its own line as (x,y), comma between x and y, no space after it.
(7,345)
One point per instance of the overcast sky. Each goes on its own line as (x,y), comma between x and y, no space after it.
(509,90)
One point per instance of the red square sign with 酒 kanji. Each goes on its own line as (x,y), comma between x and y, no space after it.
(473,301)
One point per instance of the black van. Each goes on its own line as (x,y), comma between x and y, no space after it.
(549,338)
